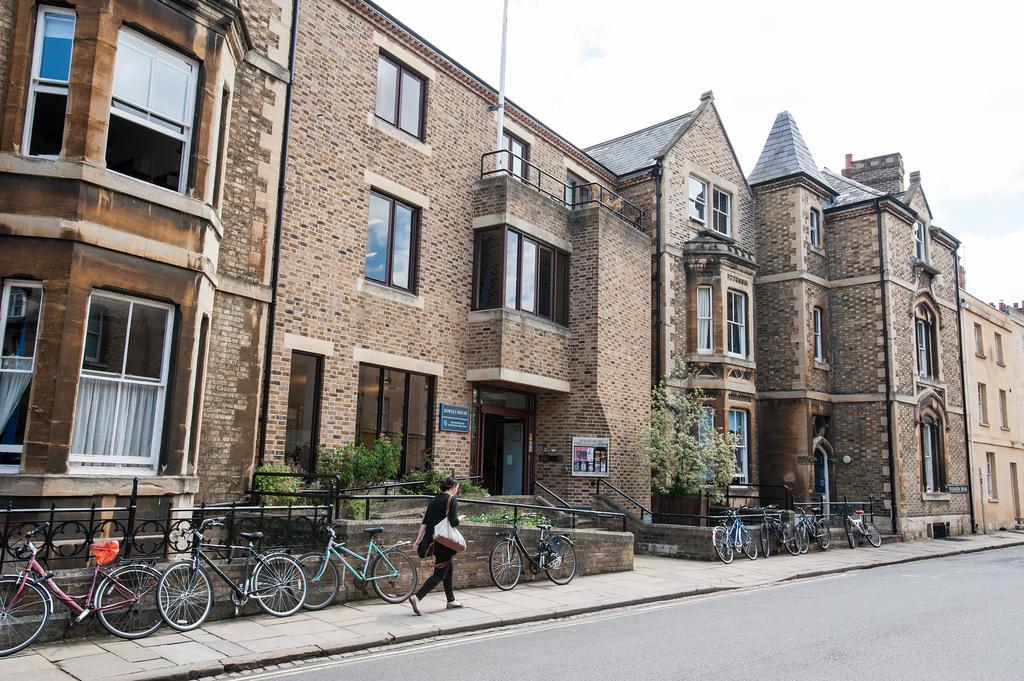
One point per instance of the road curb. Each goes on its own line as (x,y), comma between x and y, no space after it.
(286,655)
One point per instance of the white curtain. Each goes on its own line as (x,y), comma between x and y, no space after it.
(111,426)
(13,385)
(703,318)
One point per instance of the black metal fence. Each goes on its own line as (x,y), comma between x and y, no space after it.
(153,535)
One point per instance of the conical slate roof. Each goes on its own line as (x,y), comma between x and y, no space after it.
(785,153)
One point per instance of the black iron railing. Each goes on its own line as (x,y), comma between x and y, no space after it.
(154,534)
(504,162)
(759,494)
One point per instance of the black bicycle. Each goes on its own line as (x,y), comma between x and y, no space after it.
(185,593)
(555,555)
(772,524)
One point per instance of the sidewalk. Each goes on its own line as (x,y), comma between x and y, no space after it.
(252,642)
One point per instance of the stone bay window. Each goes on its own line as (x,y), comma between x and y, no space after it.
(514,271)
(122,387)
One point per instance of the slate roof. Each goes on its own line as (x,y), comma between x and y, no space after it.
(785,154)
(848,191)
(637,150)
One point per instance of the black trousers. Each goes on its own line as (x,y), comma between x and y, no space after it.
(443,572)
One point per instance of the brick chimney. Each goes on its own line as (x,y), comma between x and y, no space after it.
(884,173)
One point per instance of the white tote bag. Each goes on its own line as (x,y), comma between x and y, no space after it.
(446,535)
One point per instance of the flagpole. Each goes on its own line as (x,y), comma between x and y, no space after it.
(501,81)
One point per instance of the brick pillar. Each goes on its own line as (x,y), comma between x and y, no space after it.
(92,78)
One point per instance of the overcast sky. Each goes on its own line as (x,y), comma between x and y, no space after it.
(940,82)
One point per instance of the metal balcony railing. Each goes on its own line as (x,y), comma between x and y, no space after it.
(504,162)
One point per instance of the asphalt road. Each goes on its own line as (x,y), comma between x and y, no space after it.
(951,618)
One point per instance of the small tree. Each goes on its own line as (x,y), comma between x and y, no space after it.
(685,456)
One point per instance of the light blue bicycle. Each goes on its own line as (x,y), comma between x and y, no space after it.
(732,536)
(392,572)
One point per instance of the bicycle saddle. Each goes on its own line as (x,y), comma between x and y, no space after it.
(816,509)
(373,530)
(544,527)
(251,536)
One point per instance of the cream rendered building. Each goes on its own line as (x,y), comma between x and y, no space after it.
(994,368)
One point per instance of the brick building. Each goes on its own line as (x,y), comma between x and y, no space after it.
(485,307)
(139,155)
(858,337)
(994,374)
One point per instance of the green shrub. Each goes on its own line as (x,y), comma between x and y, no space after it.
(274,490)
(356,465)
(498,518)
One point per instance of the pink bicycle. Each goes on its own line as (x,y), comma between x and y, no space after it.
(123,597)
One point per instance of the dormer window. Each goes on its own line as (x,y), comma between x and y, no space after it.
(48,90)
(920,242)
(698,200)
(151,112)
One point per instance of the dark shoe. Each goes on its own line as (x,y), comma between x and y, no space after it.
(415,603)
(453,605)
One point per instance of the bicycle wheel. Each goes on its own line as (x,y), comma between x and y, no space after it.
(126,601)
(766,539)
(505,565)
(184,596)
(24,612)
(322,580)
(562,567)
(850,539)
(723,547)
(803,539)
(789,539)
(871,532)
(823,536)
(394,579)
(749,545)
(279,584)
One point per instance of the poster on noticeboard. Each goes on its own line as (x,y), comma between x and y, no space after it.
(590,457)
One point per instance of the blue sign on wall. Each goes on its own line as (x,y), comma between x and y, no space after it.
(455,419)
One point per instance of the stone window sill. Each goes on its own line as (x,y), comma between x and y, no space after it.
(371,288)
(399,136)
(936,496)
(819,250)
(980,355)
(993,500)
(516,317)
(823,366)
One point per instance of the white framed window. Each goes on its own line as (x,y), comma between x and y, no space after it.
(19,335)
(705,340)
(722,211)
(998,345)
(151,112)
(738,426)
(698,199)
(736,323)
(48,89)
(122,389)
(982,404)
(815,228)
(927,366)
(920,241)
(931,456)
(979,340)
(819,331)
(1004,421)
(990,470)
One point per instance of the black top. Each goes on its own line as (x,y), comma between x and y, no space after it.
(433,515)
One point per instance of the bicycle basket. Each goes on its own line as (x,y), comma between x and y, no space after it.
(105,551)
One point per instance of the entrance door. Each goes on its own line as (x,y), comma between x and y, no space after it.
(1014,491)
(503,449)
(821,477)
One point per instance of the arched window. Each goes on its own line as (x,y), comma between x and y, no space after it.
(933,464)
(927,347)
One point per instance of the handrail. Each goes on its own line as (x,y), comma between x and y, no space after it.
(596,193)
(644,511)
(516,506)
(557,498)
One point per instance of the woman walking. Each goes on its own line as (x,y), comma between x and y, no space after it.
(442,504)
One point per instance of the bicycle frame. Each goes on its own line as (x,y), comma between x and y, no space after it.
(250,552)
(372,549)
(514,537)
(44,578)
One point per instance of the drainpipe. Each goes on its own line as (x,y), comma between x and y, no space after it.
(961,303)
(275,263)
(888,363)
(656,365)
